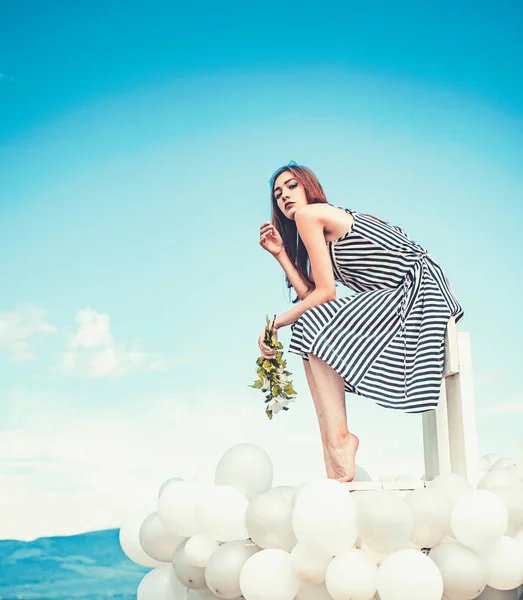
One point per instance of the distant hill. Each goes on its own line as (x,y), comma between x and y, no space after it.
(91,566)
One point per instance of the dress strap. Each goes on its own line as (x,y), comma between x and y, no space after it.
(349,210)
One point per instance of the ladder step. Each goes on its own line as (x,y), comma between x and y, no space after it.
(393,486)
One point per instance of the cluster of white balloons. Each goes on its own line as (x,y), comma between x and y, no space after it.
(242,538)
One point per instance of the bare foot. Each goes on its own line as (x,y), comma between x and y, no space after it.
(342,455)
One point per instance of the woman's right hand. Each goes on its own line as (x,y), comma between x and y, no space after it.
(270,239)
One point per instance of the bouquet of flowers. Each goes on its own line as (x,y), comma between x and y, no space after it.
(273,378)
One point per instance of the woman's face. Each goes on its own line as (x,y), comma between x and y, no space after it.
(289,194)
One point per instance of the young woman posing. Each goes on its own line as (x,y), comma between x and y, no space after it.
(384,342)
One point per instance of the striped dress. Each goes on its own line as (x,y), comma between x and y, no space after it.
(386,340)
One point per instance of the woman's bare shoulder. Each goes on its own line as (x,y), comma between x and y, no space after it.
(321,210)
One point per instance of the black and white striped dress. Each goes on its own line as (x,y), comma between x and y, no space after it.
(386,340)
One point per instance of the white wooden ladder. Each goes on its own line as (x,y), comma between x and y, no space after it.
(450,438)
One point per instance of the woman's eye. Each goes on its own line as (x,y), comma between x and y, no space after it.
(292,186)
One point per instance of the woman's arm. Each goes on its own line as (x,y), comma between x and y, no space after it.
(310,225)
(301,287)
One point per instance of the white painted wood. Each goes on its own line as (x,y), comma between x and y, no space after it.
(451,360)
(377,486)
(436,446)
(463,435)
(395,486)
(450,441)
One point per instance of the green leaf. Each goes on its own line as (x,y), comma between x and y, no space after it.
(268,412)
(257,385)
(289,389)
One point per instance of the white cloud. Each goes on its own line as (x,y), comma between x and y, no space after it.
(92,350)
(21,331)
(94,329)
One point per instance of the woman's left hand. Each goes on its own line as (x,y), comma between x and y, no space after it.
(267,351)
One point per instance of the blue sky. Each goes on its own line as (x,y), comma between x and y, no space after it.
(136,144)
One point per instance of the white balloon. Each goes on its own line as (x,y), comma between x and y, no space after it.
(130,539)
(452,485)
(413,546)
(160,584)
(166,483)
(377,557)
(462,570)
(431,511)
(309,566)
(503,463)
(499,478)
(512,498)
(352,575)
(289,491)
(385,522)
(177,507)
(490,459)
(221,514)
(199,549)
(222,572)
(517,471)
(504,564)
(156,540)
(492,594)
(360,474)
(191,577)
(478,518)
(409,574)
(324,517)
(449,539)
(268,575)
(476,477)
(204,594)
(269,521)
(310,591)
(246,467)
(484,465)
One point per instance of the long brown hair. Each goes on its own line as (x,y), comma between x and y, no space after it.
(292,242)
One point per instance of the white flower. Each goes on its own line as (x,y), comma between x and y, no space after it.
(274,406)
(277,404)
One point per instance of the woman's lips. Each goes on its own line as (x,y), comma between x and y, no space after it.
(287,206)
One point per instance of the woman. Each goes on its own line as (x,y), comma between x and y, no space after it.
(386,341)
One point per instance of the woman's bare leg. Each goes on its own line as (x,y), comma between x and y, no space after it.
(339,446)
(317,403)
